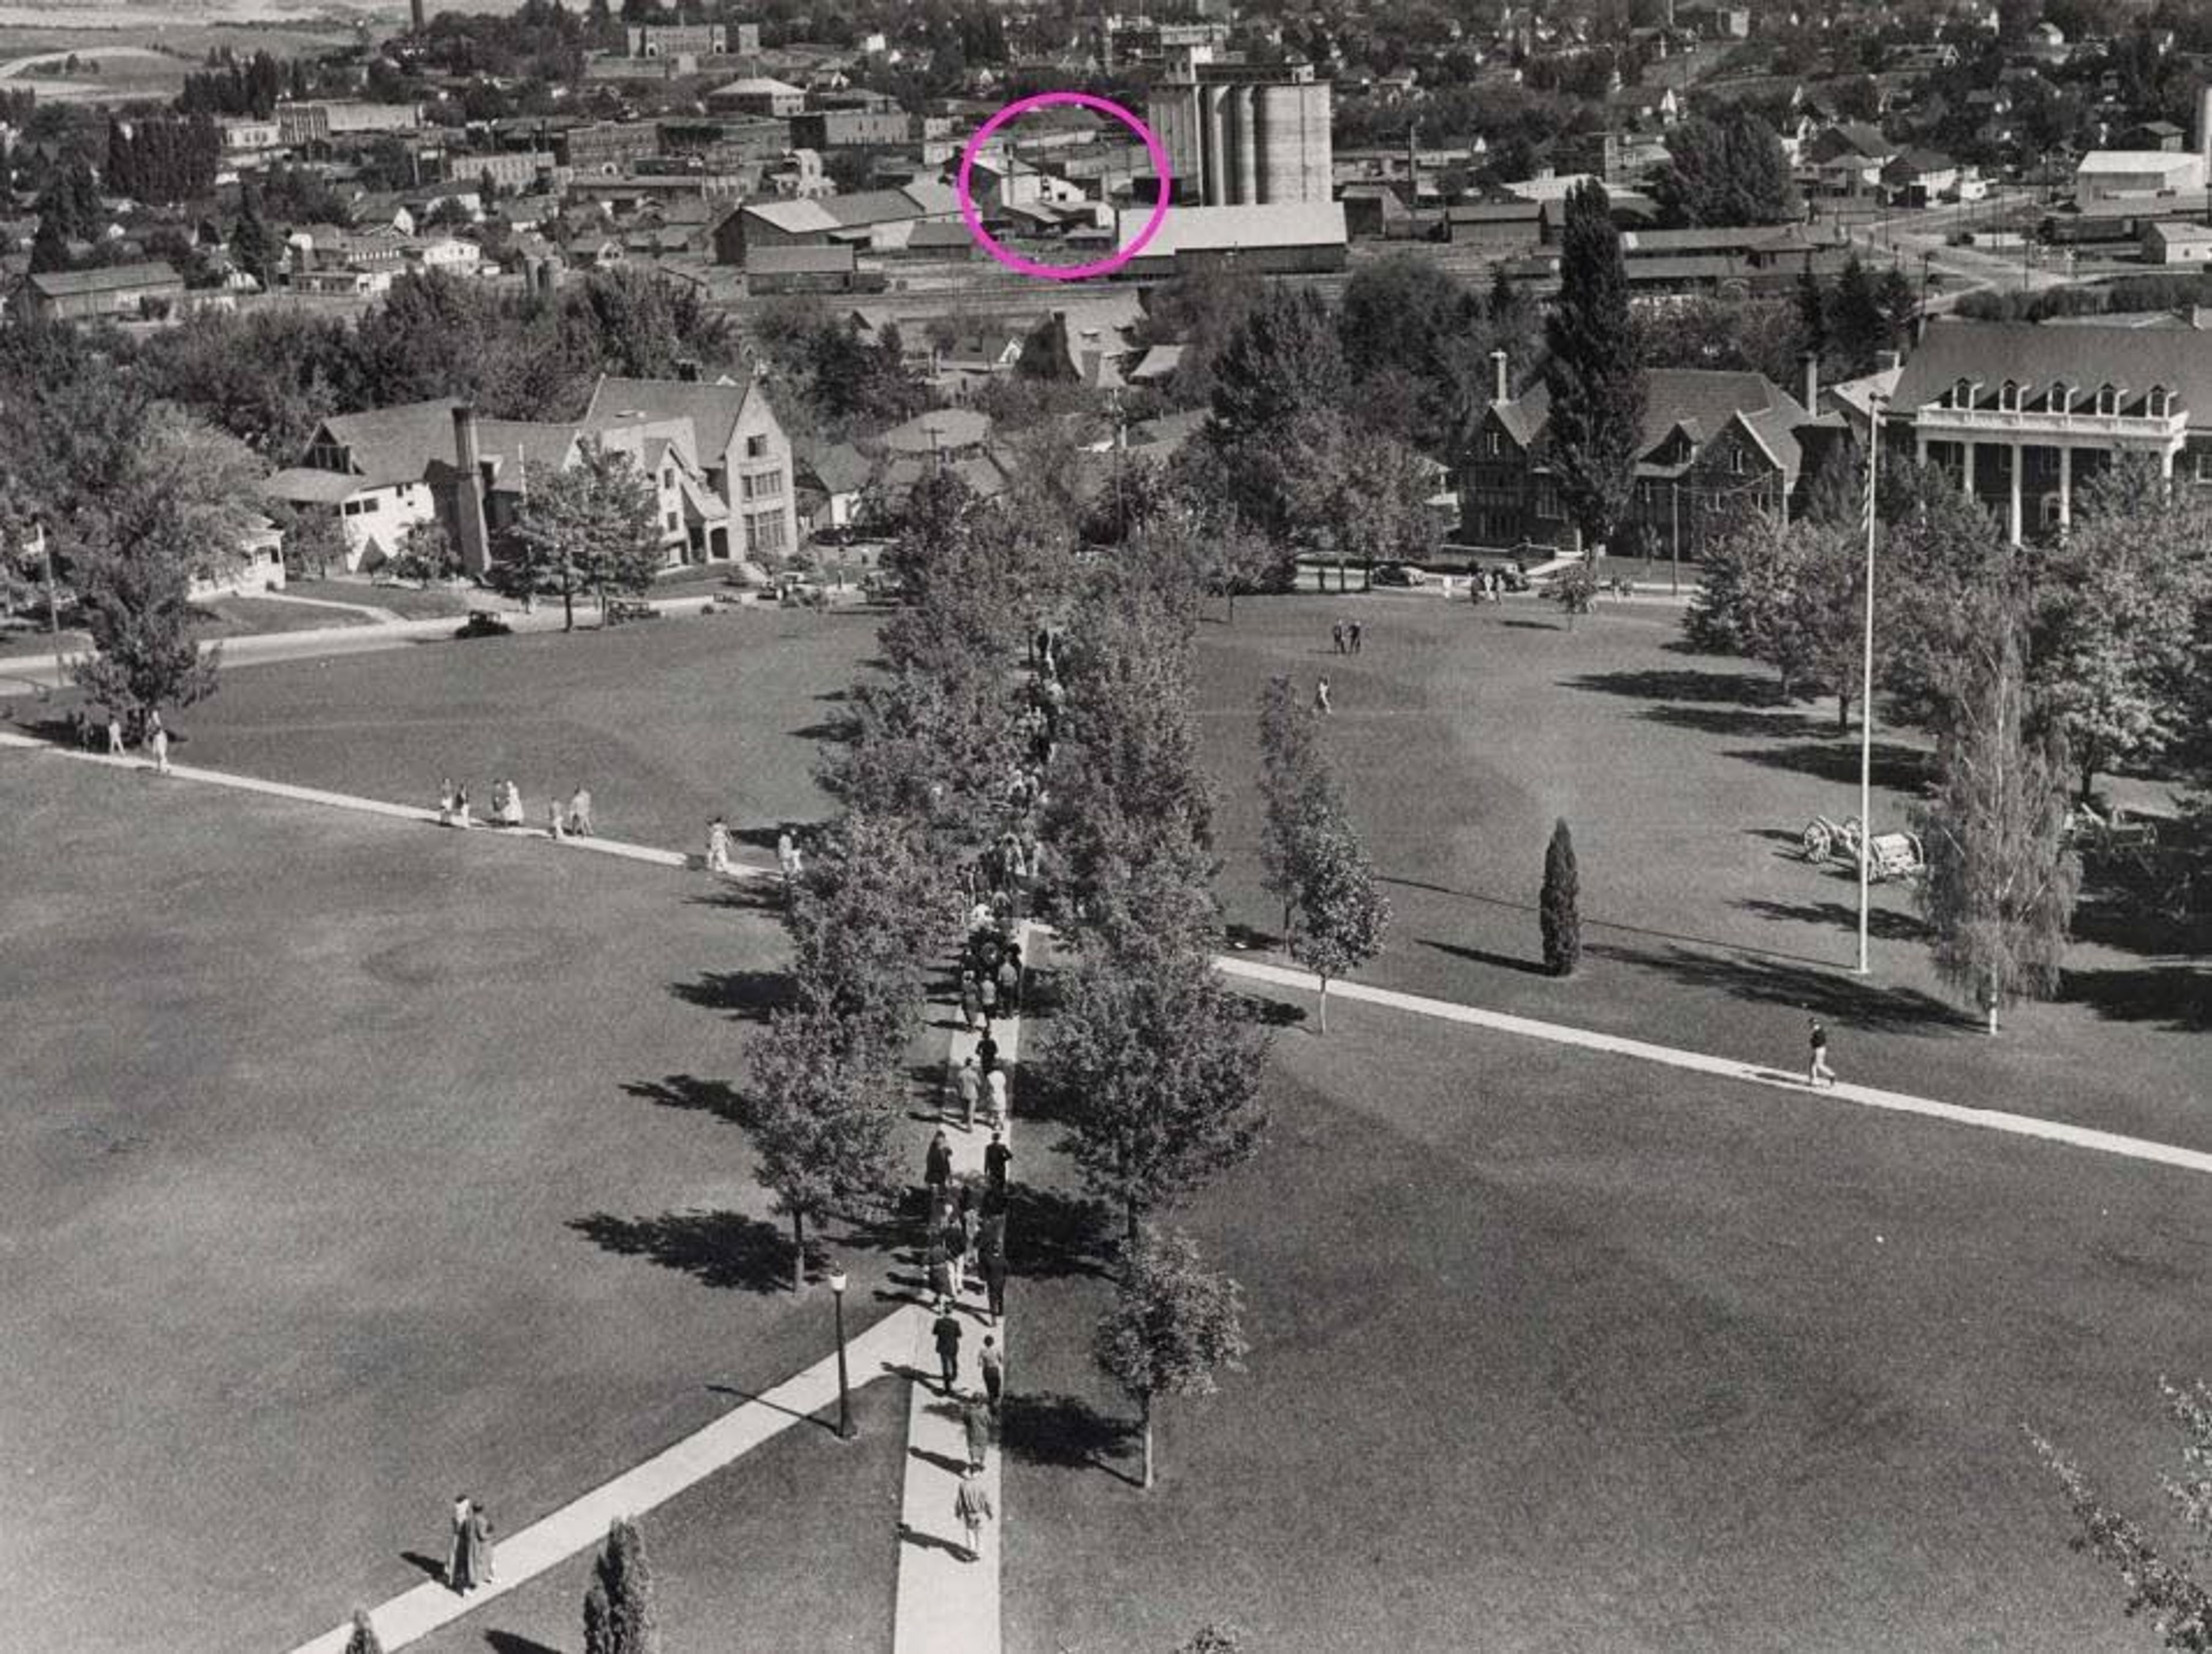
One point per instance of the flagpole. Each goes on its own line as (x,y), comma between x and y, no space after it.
(1866,687)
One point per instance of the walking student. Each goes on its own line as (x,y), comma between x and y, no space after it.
(973,1507)
(717,846)
(947,1333)
(996,1154)
(579,813)
(1816,1067)
(970,1081)
(1320,697)
(994,1282)
(975,1424)
(937,1164)
(992,1360)
(457,1553)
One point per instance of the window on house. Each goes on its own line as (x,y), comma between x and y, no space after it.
(2108,399)
(1547,499)
(1739,461)
(1494,445)
(2157,404)
(668,479)
(2061,396)
(755,447)
(765,485)
(2201,464)
(2008,396)
(674,518)
(765,531)
(1962,394)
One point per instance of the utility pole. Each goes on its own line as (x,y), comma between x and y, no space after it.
(53,604)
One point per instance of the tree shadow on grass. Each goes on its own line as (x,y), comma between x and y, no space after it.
(1063,1433)
(1901,769)
(1681,683)
(715,1097)
(1479,956)
(717,1249)
(748,995)
(743,895)
(1533,626)
(1884,924)
(1273,1012)
(2178,996)
(508,1642)
(836,731)
(1051,1235)
(1812,987)
(1743,721)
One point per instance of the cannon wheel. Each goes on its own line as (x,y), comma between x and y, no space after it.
(1818,841)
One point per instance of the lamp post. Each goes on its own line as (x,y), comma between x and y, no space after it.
(846,1431)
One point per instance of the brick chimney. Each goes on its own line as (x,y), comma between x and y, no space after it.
(470,536)
(1502,389)
(1810,360)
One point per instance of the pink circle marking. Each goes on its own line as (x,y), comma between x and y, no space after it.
(1015,261)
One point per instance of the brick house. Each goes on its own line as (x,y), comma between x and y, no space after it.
(1713,445)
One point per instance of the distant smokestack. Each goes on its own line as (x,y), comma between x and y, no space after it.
(1497,367)
(470,536)
(2205,125)
(415,9)
(1812,365)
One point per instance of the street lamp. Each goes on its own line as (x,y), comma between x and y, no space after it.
(846,1429)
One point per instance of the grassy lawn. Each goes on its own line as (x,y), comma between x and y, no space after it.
(407,602)
(233,617)
(1554,1351)
(347,1163)
(1462,732)
(789,1549)
(667,723)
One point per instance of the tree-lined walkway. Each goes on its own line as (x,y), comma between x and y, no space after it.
(947,1604)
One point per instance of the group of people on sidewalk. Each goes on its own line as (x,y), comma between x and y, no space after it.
(468,1565)
(507,810)
(154,736)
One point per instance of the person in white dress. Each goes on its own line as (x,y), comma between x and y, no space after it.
(717,846)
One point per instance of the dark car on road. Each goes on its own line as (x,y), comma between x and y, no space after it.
(1399,573)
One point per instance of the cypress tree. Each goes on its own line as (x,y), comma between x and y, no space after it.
(48,248)
(1559,909)
(618,1617)
(1594,372)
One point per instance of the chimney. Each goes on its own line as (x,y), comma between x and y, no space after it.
(1810,360)
(1503,393)
(415,11)
(471,537)
(2204,125)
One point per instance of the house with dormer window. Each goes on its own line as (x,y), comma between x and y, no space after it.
(1714,446)
(2023,416)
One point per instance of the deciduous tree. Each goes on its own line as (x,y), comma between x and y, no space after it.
(2160,1589)
(1174,1325)
(2001,882)
(1725,169)
(175,507)
(1160,1067)
(1290,754)
(426,552)
(1346,916)
(822,1113)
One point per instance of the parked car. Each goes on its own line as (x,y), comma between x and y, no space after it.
(484,623)
(1399,573)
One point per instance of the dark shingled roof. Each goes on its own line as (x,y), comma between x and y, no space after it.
(2133,359)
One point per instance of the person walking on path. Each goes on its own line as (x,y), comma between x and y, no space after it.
(975,1422)
(161,750)
(579,813)
(115,736)
(971,1004)
(973,1507)
(554,829)
(986,1052)
(1352,637)
(970,1081)
(996,1154)
(717,846)
(993,1362)
(457,1553)
(937,1165)
(947,1332)
(787,863)
(939,1269)
(995,1283)
(1010,983)
(481,1569)
(1320,696)
(1816,1067)
(1336,637)
(996,1079)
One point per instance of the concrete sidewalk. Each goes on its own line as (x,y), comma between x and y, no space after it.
(580,1525)
(947,1604)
